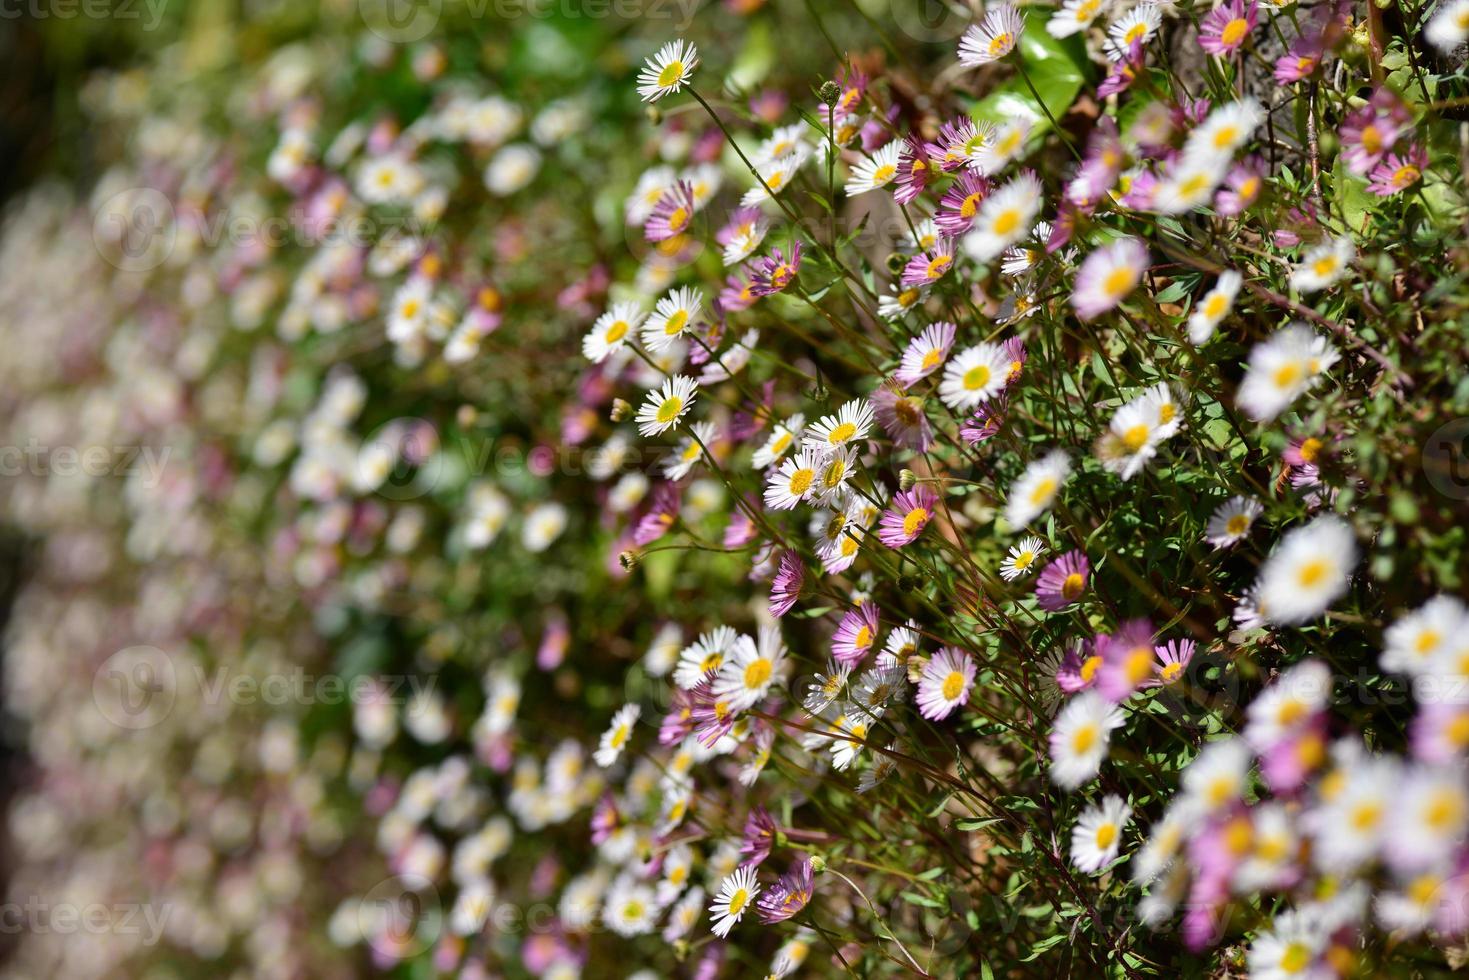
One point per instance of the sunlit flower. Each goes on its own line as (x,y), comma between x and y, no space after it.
(735,894)
(1080,738)
(849,425)
(1323,265)
(614,739)
(667,71)
(1033,493)
(1107,275)
(674,315)
(992,38)
(877,171)
(1308,570)
(664,407)
(1213,307)
(1227,27)
(1063,581)
(945,682)
(907,516)
(1074,16)
(1005,217)
(1022,558)
(1283,368)
(1098,834)
(974,375)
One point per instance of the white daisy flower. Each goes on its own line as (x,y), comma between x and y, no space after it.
(1289,702)
(664,407)
(685,456)
(1449,26)
(1323,265)
(512,169)
(631,908)
(992,38)
(1219,775)
(852,725)
(651,186)
(896,303)
(795,480)
(1425,639)
(1283,368)
(1074,16)
(614,739)
(1165,841)
(776,175)
(746,238)
(1139,24)
(1098,834)
(783,142)
(1227,128)
(1033,493)
(1080,738)
(1231,521)
(752,668)
(1348,829)
(1009,143)
(878,171)
(782,437)
(611,330)
(704,656)
(1289,950)
(1022,558)
(834,472)
(1307,571)
(1005,217)
(736,893)
(663,651)
(1430,814)
(668,70)
(685,915)
(1214,307)
(883,766)
(974,375)
(675,314)
(1188,183)
(850,424)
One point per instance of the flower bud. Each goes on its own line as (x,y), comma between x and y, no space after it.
(830,92)
(621,410)
(906,479)
(467,416)
(628,560)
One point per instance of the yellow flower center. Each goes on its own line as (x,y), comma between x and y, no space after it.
(757,673)
(1071,588)
(953,685)
(617,331)
(671,73)
(1135,438)
(841,433)
(1313,572)
(835,470)
(619,736)
(801,481)
(1134,33)
(1297,957)
(977,377)
(781,442)
(1237,525)
(970,205)
(1001,43)
(1043,491)
(938,265)
(916,518)
(1171,672)
(1366,816)
(737,901)
(1006,222)
(1324,266)
(1310,449)
(1022,561)
(1084,738)
(1106,835)
(1288,375)
(1234,31)
(1118,281)
(1090,667)
(1139,665)
(669,410)
(1225,136)
(863,639)
(883,174)
(1443,810)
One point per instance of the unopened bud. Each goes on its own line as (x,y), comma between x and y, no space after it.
(906,479)
(467,416)
(818,863)
(628,560)
(896,262)
(830,92)
(621,410)
(655,115)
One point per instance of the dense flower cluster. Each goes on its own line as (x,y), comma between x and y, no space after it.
(939,507)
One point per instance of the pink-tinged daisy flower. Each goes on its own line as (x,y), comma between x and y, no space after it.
(1107,275)
(679,721)
(1300,60)
(1231,521)
(606,818)
(855,635)
(1080,738)
(673,213)
(661,513)
(909,514)
(1123,72)
(1173,659)
(758,837)
(741,529)
(742,234)
(960,204)
(926,353)
(915,170)
(903,419)
(959,140)
(992,38)
(1370,132)
(1225,29)
(1397,172)
(789,895)
(668,70)
(945,683)
(1136,26)
(1063,581)
(1079,666)
(775,272)
(927,268)
(1128,660)
(975,375)
(852,86)
(1241,189)
(984,423)
(738,294)
(786,588)
(1440,732)
(795,480)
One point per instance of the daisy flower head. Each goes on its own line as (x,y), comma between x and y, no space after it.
(1231,521)
(959,140)
(832,475)
(927,268)
(775,176)
(1005,217)
(630,908)
(1241,189)
(1426,638)
(790,575)
(1226,28)
(1130,439)
(984,423)
(1080,738)
(849,425)
(1214,307)
(1188,183)
(1136,27)
(1007,145)
(974,375)
(1098,834)
(909,514)
(1430,816)
(1074,16)
(1022,558)
(742,234)
(1227,128)
(796,480)
(877,171)
(855,634)
(960,204)
(686,455)
(1107,275)
(781,143)
(1307,571)
(903,419)
(1063,581)
(665,406)
(895,304)
(1173,659)
(735,894)
(915,170)
(614,739)
(753,666)
(1397,172)
(1323,265)
(945,683)
(1281,369)
(789,894)
(611,331)
(673,213)
(783,435)
(667,71)
(926,352)
(674,315)
(1449,26)
(1291,948)
(1129,660)
(1033,493)
(992,38)
(1219,775)
(774,272)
